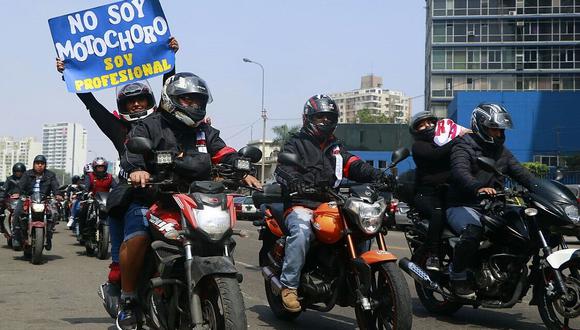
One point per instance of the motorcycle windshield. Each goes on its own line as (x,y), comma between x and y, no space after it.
(36,197)
(553,191)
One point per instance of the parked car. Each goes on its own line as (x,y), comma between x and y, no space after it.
(246,208)
(396,215)
(238,205)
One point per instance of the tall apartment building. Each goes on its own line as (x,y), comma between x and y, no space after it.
(500,45)
(13,151)
(371,95)
(65,146)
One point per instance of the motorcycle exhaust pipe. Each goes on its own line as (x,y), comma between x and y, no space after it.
(418,274)
(275,283)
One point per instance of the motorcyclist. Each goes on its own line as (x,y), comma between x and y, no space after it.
(135,101)
(70,195)
(98,180)
(9,188)
(37,180)
(432,172)
(327,162)
(180,128)
(488,123)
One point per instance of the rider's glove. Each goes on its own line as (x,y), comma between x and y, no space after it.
(297,186)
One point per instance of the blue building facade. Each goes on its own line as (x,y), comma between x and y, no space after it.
(546,124)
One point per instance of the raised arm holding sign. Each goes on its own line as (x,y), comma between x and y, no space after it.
(114,44)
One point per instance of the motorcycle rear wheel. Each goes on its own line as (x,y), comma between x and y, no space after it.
(222,303)
(433,302)
(389,288)
(37,245)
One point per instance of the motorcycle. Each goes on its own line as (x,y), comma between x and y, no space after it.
(514,235)
(40,227)
(340,268)
(10,204)
(189,278)
(96,231)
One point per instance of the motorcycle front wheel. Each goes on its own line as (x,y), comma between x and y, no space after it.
(562,312)
(222,303)
(103,242)
(390,290)
(37,245)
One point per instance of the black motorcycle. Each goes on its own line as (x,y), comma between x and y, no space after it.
(96,231)
(523,248)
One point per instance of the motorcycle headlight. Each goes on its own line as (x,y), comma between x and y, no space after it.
(242,164)
(37,208)
(369,216)
(213,221)
(572,213)
(164,157)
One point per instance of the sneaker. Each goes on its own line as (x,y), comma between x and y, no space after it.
(114,273)
(461,285)
(70,222)
(433,263)
(127,319)
(290,300)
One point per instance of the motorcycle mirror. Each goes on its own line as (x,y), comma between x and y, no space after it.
(488,164)
(559,175)
(252,153)
(399,155)
(139,145)
(286,158)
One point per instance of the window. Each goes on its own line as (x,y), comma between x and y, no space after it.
(370,162)
(382,164)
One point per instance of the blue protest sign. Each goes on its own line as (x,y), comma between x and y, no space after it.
(113,44)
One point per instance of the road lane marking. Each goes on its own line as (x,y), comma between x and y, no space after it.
(253,267)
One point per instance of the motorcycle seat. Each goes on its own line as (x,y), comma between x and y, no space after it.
(270,194)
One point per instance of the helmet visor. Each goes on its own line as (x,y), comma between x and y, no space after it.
(500,121)
(188,85)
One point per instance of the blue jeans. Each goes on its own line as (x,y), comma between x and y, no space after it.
(459,217)
(297,245)
(135,222)
(116,230)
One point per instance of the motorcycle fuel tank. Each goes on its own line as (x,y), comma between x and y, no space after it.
(328,224)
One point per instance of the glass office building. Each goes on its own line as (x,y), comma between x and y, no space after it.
(500,45)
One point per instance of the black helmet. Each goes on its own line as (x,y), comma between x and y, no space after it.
(18,167)
(126,92)
(418,118)
(486,116)
(75,179)
(39,159)
(316,105)
(179,85)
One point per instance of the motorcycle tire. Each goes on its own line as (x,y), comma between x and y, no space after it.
(552,318)
(427,297)
(277,306)
(222,303)
(103,242)
(390,288)
(37,245)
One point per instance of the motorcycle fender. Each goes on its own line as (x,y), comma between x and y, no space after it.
(375,256)
(560,257)
(204,266)
(37,224)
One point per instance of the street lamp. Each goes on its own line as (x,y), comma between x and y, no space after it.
(264,117)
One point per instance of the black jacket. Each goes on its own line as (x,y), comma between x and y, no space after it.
(320,163)
(467,177)
(48,183)
(11,185)
(433,163)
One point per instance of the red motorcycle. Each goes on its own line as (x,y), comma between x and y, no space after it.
(39,230)
(189,278)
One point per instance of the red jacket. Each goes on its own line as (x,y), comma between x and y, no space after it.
(96,185)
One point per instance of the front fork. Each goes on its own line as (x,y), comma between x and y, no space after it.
(559,287)
(195,301)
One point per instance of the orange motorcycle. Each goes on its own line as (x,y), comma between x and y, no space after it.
(340,267)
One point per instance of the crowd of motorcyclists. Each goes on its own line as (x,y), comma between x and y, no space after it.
(449,181)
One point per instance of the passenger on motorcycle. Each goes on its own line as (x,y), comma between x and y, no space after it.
(179,127)
(70,195)
(433,171)
(327,163)
(40,180)
(135,101)
(9,188)
(96,181)
(488,123)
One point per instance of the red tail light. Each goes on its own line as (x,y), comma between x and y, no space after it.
(393,206)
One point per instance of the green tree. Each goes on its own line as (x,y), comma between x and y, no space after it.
(283,133)
(366,116)
(573,162)
(537,169)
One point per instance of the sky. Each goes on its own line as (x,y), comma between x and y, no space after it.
(307,47)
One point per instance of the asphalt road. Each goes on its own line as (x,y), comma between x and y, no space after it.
(62,294)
